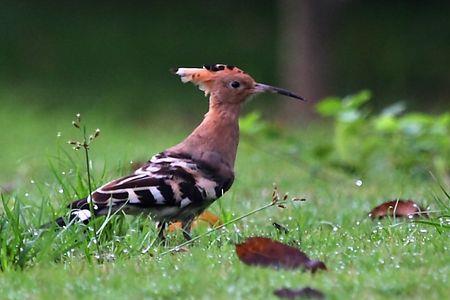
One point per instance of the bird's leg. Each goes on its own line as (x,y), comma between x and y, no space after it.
(161,227)
(186,227)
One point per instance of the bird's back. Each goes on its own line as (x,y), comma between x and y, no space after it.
(170,186)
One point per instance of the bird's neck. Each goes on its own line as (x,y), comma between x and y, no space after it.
(216,139)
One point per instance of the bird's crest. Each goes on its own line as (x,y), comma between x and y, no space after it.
(203,77)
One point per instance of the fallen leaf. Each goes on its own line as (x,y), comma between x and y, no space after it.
(306,292)
(174,226)
(267,252)
(397,208)
(208,217)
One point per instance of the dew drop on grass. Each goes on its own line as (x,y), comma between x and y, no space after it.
(27,194)
(58,134)
(358,182)
(60,191)
(32,181)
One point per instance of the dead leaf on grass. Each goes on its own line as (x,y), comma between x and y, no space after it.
(206,217)
(306,292)
(397,208)
(267,252)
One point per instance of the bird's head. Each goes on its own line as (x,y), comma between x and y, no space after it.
(227,83)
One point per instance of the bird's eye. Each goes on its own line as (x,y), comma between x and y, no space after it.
(235,84)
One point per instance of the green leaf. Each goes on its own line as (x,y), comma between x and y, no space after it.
(329,106)
(356,100)
(386,123)
(251,123)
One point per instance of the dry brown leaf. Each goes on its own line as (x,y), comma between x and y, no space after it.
(397,208)
(174,226)
(306,292)
(267,252)
(207,217)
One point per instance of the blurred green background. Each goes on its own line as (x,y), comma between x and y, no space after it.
(110,61)
(115,55)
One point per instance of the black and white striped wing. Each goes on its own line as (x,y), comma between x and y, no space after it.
(165,181)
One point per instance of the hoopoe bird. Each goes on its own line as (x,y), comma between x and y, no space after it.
(179,183)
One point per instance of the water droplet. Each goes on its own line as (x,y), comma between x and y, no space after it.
(358,182)
(27,194)
(58,134)
(60,191)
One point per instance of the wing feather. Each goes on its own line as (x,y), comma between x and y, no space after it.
(164,180)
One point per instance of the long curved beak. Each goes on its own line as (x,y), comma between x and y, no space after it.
(263,88)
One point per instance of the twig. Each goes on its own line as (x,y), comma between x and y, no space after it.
(85,144)
(176,248)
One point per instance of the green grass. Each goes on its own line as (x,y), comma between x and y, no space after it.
(365,259)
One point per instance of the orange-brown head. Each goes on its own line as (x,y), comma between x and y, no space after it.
(227,83)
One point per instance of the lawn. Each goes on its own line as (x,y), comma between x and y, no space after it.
(391,258)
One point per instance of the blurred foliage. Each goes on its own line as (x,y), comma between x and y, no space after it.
(359,141)
(414,142)
(253,124)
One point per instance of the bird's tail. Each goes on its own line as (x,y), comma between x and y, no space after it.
(79,212)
